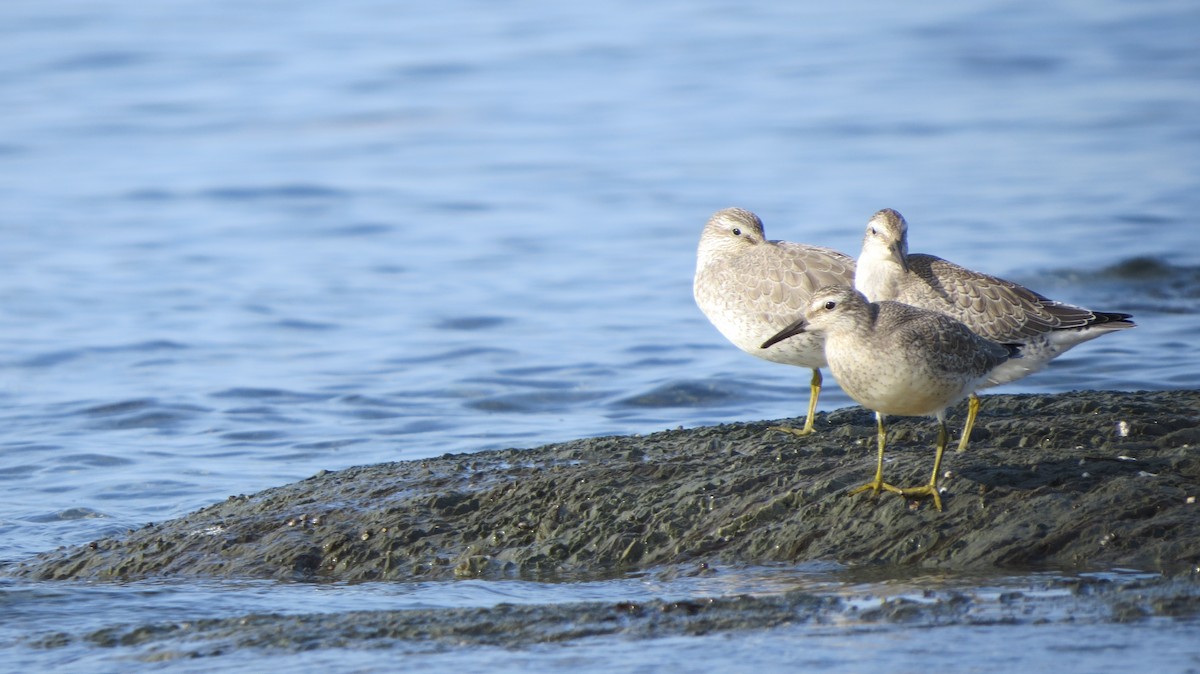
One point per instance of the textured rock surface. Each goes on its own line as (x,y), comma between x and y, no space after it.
(1081,480)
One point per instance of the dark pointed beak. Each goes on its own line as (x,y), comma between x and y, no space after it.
(790,331)
(899,256)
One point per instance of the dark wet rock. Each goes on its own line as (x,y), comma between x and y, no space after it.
(505,624)
(1079,480)
(1106,601)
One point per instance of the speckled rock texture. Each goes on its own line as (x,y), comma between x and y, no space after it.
(1086,480)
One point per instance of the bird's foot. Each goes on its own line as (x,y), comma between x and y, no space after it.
(924,490)
(875,487)
(799,432)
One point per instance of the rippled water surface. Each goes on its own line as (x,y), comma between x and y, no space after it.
(244,242)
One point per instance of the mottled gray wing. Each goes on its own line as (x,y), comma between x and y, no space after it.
(791,272)
(773,280)
(953,347)
(997,309)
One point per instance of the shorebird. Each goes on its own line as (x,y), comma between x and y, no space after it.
(897,359)
(994,308)
(750,288)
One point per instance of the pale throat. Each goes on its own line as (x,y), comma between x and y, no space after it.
(877,276)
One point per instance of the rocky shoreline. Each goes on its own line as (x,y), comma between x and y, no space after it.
(1085,480)
(1046,602)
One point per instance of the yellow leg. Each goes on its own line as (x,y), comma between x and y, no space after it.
(972,411)
(931,488)
(877,484)
(813,393)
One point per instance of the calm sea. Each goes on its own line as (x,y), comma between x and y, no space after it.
(241,242)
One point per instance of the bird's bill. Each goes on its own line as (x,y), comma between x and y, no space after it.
(790,331)
(897,253)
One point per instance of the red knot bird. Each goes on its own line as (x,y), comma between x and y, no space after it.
(994,308)
(750,288)
(897,359)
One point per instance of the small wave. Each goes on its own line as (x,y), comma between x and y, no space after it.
(461,206)
(1144,219)
(1138,284)
(360,229)
(992,65)
(360,399)
(144,413)
(471,322)
(19,472)
(419,426)
(272,394)
(1134,270)
(159,420)
(649,363)
(93,460)
(150,194)
(294,191)
(329,444)
(147,489)
(52,358)
(548,384)
(100,60)
(538,401)
(254,436)
(453,354)
(123,407)
(70,514)
(1146,268)
(302,324)
(686,393)
(359,406)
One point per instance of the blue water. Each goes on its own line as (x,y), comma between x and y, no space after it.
(242,242)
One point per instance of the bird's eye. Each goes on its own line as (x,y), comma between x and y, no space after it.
(872,232)
(737,232)
(830,305)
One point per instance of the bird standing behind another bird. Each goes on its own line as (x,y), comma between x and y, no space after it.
(750,288)
(994,308)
